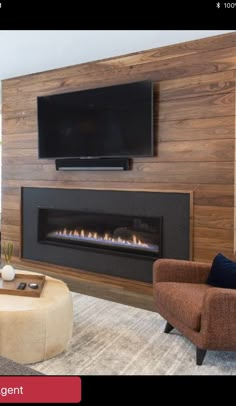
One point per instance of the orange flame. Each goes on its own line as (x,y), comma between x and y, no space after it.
(83,234)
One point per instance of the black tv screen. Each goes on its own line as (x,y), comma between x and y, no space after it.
(115,121)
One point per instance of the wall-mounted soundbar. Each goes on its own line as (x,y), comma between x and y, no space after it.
(93,164)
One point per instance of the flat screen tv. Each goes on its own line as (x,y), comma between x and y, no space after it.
(115,121)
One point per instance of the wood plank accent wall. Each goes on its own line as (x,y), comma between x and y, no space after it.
(194,84)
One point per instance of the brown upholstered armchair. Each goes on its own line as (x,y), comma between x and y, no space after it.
(206,315)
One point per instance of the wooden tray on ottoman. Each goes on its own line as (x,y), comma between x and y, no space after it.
(10,287)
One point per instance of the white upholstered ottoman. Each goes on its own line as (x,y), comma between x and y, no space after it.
(35,329)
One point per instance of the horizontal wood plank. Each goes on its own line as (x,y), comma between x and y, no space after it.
(20,141)
(182,172)
(214,195)
(11,217)
(213,238)
(19,125)
(197,107)
(196,129)
(10,232)
(10,190)
(195,86)
(195,151)
(15,156)
(213,217)
(11,202)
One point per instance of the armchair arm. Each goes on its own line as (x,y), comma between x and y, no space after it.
(218,322)
(176,270)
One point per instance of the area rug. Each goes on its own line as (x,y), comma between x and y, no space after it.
(113,339)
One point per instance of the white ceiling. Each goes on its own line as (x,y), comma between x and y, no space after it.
(25,52)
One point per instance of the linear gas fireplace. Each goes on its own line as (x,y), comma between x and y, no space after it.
(116,233)
(135,235)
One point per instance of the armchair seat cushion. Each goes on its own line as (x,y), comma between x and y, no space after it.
(183,300)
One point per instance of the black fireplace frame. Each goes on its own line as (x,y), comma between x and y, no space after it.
(172,206)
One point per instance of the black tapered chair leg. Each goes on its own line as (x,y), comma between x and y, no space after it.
(168,327)
(200,354)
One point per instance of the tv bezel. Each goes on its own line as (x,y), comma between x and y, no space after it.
(151,135)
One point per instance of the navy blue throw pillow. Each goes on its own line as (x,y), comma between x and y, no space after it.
(222,273)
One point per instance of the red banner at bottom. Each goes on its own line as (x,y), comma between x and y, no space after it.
(40,389)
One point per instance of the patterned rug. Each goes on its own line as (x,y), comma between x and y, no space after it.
(114,339)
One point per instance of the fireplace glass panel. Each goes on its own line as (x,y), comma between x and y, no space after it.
(118,233)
